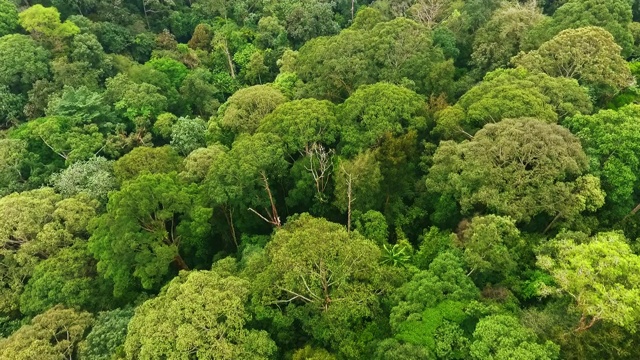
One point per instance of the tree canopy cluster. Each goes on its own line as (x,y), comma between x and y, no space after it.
(319,179)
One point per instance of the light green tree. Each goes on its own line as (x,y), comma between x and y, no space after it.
(43,23)
(330,281)
(65,327)
(245,109)
(512,93)
(503,35)
(199,314)
(503,337)
(600,275)
(589,55)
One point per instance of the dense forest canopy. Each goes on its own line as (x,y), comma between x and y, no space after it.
(319,179)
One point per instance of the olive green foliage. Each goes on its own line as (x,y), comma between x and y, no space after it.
(512,93)
(490,244)
(502,337)
(322,277)
(172,324)
(33,341)
(509,168)
(36,227)
(247,107)
(143,160)
(503,35)
(302,123)
(375,110)
(612,15)
(589,55)
(23,61)
(399,51)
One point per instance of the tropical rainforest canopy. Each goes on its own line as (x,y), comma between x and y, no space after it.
(319,179)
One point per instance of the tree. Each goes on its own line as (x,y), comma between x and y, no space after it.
(201,38)
(428,311)
(589,55)
(11,107)
(175,71)
(373,111)
(399,51)
(302,123)
(330,281)
(199,161)
(23,62)
(245,109)
(14,159)
(200,93)
(44,25)
(8,17)
(93,177)
(66,137)
(228,39)
(141,104)
(490,244)
(248,186)
(147,160)
(357,184)
(309,19)
(68,278)
(81,104)
(503,337)
(52,335)
(149,225)
(199,314)
(512,93)
(430,12)
(610,139)
(188,135)
(503,35)
(612,15)
(600,275)
(107,335)
(36,225)
(517,168)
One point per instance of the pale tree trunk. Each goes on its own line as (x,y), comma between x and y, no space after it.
(273,217)
(353,6)
(350,197)
(232,71)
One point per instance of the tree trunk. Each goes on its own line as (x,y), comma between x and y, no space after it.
(349,201)
(179,261)
(274,212)
(229,60)
(353,6)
